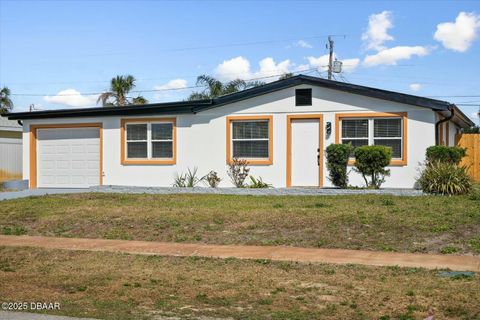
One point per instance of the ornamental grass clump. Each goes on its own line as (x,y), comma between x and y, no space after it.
(445,178)
(442,173)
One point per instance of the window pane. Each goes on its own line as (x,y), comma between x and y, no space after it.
(387,128)
(137,131)
(250,129)
(356,143)
(250,149)
(162,150)
(162,131)
(355,128)
(136,149)
(395,144)
(303,97)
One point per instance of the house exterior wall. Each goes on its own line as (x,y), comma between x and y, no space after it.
(201,138)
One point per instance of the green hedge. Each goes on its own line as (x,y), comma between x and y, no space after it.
(445,154)
(337,161)
(371,161)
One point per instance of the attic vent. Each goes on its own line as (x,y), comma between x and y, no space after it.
(303,97)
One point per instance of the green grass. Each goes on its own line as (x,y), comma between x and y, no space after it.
(371,222)
(120,286)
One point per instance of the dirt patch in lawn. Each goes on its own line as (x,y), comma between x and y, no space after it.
(371,222)
(116,286)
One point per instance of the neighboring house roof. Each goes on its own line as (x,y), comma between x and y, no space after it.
(9,125)
(198,106)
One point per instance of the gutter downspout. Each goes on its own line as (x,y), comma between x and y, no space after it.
(438,123)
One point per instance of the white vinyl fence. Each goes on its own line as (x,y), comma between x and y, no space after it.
(10,159)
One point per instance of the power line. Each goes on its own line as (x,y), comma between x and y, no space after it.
(150,90)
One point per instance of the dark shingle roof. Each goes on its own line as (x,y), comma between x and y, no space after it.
(183,107)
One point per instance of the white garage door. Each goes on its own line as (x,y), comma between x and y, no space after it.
(68,157)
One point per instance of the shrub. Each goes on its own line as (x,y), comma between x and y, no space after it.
(180,181)
(188,179)
(238,172)
(212,179)
(371,161)
(337,161)
(445,178)
(474,129)
(445,154)
(258,183)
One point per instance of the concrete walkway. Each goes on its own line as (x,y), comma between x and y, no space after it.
(13,315)
(280,253)
(204,190)
(38,192)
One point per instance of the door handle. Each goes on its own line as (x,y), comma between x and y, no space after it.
(318,156)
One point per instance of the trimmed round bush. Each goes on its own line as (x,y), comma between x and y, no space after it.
(337,161)
(445,154)
(445,178)
(371,161)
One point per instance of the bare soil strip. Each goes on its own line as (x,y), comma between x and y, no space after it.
(277,253)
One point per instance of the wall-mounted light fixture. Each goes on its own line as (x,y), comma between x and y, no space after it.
(328,128)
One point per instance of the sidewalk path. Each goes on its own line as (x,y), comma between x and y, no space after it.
(204,190)
(280,253)
(14,315)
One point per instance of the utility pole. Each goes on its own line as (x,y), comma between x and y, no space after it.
(330,57)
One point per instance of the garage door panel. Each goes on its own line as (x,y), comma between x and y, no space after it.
(68,157)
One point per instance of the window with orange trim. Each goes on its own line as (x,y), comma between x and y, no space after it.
(250,138)
(384,129)
(148,141)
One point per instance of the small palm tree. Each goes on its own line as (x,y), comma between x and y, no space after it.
(6,104)
(120,86)
(215,88)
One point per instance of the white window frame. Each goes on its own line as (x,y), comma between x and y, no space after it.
(149,140)
(254,139)
(371,138)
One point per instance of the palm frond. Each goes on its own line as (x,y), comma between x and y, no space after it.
(105,97)
(139,100)
(6,103)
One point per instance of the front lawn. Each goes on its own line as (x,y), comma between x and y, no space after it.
(372,222)
(120,286)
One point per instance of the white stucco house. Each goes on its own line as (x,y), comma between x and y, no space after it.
(282,128)
(10,150)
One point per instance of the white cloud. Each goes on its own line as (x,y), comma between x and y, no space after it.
(268,68)
(415,86)
(459,35)
(391,56)
(172,84)
(170,89)
(304,44)
(321,63)
(377,31)
(239,68)
(350,64)
(234,68)
(72,98)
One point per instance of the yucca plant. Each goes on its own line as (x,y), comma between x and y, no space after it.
(445,178)
(258,183)
(191,177)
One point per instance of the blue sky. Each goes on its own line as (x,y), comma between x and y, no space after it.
(54,54)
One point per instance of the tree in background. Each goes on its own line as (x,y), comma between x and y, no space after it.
(286,76)
(6,104)
(216,88)
(120,86)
